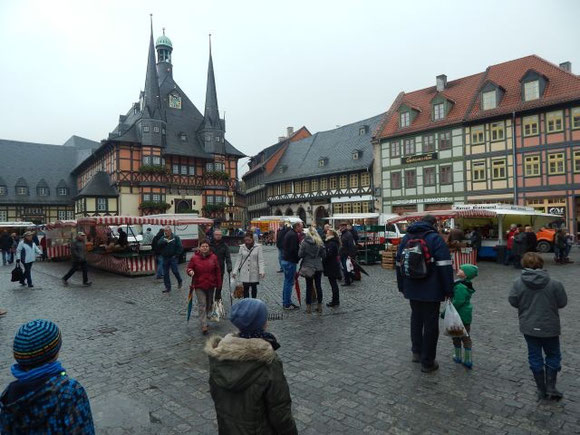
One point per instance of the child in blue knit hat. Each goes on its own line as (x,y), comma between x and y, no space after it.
(43,399)
(246,377)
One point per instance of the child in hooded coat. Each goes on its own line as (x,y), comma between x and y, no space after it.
(462,292)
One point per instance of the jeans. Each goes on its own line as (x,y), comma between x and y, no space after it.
(27,274)
(311,284)
(170,263)
(508,257)
(347,275)
(425,330)
(335,291)
(204,305)
(76,265)
(280,258)
(253,286)
(159,273)
(289,272)
(550,346)
(5,257)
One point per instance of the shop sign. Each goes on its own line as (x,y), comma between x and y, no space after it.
(557,210)
(420,158)
(30,211)
(421,201)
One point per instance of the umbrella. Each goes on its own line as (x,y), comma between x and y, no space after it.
(357,265)
(230,290)
(189,303)
(297,288)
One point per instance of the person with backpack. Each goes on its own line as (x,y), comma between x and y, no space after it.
(425,277)
(538,299)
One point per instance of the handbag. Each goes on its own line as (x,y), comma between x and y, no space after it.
(17,274)
(239,291)
(307,272)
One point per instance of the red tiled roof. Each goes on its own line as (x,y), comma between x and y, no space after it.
(562,86)
(459,91)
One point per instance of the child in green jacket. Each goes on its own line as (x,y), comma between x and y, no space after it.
(462,291)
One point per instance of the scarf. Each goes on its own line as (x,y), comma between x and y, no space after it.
(260,333)
(52,368)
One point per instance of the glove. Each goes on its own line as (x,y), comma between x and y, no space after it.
(229,270)
(17,261)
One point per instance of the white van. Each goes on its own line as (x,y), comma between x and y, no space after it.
(189,234)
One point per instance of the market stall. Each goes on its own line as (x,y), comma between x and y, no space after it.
(133,259)
(58,236)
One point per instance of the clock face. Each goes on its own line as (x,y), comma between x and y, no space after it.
(174,101)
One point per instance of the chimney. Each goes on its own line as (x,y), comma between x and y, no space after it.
(566,66)
(281,138)
(441,82)
(289,131)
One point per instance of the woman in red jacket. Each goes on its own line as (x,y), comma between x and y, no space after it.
(206,276)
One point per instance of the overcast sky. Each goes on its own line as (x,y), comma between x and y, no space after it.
(71,67)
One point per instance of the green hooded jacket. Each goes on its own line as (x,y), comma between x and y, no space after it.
(248,387)
(462,291)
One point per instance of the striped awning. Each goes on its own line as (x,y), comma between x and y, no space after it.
(141,220)
(444,214)
(60,224)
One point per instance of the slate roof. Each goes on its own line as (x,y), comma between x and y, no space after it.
(29,164)
(100,185)
(562,86)
(302,157)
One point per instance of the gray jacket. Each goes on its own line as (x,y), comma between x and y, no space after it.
(78,251)
(311,254)
(538,299)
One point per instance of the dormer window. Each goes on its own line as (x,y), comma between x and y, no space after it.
(21,190)
(356,154)
(62,191)
(405,119)
(489,100)
(174,101)
(283,168)
(155,129)
(532,90)
(438,111)
(3,191)
(146,129)
(183,137)
(42,191)
(322,162)
(363,130)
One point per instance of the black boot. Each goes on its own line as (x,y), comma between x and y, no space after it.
(541,384)
(551,378)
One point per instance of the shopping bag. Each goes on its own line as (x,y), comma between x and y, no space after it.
(452,324)
(238,292)
(17,273)
(349,265)
(218,310)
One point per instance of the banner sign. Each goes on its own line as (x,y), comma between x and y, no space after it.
(419,158)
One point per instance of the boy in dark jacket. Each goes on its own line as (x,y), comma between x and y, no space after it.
(462,292)
(538,299)
(43,399)
(246,377)
(222,251)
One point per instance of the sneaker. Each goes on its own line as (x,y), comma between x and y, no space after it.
(65,282)
(467,364)
(87,284)
(333,304)
(290,307)
(180,285)
(167,290)
(30,286)
(431,368)
(279,271)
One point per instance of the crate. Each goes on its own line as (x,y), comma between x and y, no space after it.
(389,266)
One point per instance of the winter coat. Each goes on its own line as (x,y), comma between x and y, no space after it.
(280,236)
(170,247)
(510,239)
(5,242)
(560,240)
(78,251)
(222,251)
(462,292)
(207,274)
(347,248)
(157,248)
(311,254)
(147,238)
(519,244)
(538,299)
(531,242)
(253,264)
(354,235)
(55,404)
(27,252)
(248,387)
(290,246)
(331,263)
(439,283)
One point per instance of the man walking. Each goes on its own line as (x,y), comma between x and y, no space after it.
(280,243)
(157,248)
(531,239)
(222,251)
(171,249)
(78,251)
(347,249)
(5,246)
(426,279)
(289,261)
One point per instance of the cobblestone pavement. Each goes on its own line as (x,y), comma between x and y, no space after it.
(349,369)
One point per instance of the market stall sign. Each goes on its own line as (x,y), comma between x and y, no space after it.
(557,210)
(420,158)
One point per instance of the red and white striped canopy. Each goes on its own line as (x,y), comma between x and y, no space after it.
(141,220)
(60,224)
(444,214)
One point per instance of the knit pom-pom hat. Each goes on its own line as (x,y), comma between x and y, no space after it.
(249,315)
(36,343)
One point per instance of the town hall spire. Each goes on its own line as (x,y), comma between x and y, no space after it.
(152,98)
(212,128)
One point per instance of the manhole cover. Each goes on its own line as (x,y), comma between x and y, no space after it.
(107,330)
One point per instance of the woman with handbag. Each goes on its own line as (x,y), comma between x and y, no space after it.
(206,276)
(26,252)
(312,251)
(331,265)
(249,268)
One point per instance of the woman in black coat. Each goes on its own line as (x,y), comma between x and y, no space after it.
(331,265)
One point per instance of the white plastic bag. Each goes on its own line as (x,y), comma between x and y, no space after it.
(218,310)
(452,324)
(349,265)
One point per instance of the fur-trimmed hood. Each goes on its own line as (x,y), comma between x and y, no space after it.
(236,363)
